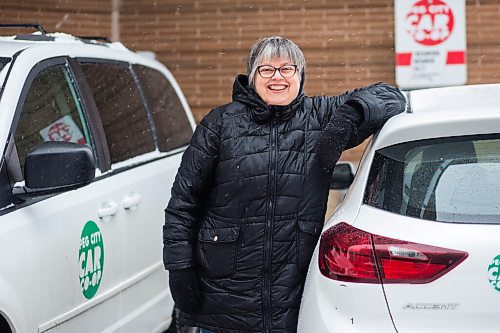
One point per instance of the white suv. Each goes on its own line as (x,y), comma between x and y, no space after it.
(415,245)
(92,135)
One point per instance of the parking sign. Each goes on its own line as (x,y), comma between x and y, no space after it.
(430,43)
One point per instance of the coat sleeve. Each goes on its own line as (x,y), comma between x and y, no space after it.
(377,103)
(354,116)
(189,191)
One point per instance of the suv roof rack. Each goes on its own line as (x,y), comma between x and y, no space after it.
(408,103)
(36,26)
(97,38)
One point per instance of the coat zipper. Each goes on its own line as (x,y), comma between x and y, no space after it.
(268,234)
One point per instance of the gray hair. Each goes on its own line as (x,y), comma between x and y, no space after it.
(271,48)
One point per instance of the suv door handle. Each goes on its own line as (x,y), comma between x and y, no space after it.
(131,201)
(108,208)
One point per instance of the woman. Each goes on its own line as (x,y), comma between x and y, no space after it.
(249,199)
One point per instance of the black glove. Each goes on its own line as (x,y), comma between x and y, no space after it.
(351,111)
(185,289)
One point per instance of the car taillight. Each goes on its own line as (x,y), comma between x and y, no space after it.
(353,255)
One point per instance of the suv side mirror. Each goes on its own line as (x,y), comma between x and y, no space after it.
(53,167)
(343,176)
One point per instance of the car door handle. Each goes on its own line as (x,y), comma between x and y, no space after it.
(108,208)
(131,201)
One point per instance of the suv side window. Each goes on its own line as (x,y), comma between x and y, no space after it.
(50,112)
(122,111)
(172,125)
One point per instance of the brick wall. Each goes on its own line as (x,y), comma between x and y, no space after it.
(205,43)
(84,18)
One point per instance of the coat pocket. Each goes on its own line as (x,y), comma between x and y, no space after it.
(216,251)
(307,237)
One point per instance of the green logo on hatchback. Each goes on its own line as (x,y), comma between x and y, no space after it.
(91,259)
(494,273)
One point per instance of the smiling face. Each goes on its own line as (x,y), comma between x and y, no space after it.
(277,90)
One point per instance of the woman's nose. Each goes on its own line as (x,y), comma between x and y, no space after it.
(277,75)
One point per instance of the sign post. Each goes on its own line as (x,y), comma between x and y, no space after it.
(430,43)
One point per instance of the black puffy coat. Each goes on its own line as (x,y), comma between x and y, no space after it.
(249,200)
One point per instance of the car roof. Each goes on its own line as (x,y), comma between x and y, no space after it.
(454,99)
(444,112)
(9,45)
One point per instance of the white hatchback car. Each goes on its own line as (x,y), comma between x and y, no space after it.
(415,245)
(92,135)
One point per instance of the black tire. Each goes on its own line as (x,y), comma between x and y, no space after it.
(4,325)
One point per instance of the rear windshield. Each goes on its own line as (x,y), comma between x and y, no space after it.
(447,180)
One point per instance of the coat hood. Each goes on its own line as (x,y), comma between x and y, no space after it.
(261,112)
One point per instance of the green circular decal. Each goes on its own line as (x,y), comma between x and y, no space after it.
(91,259)
(494,273)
